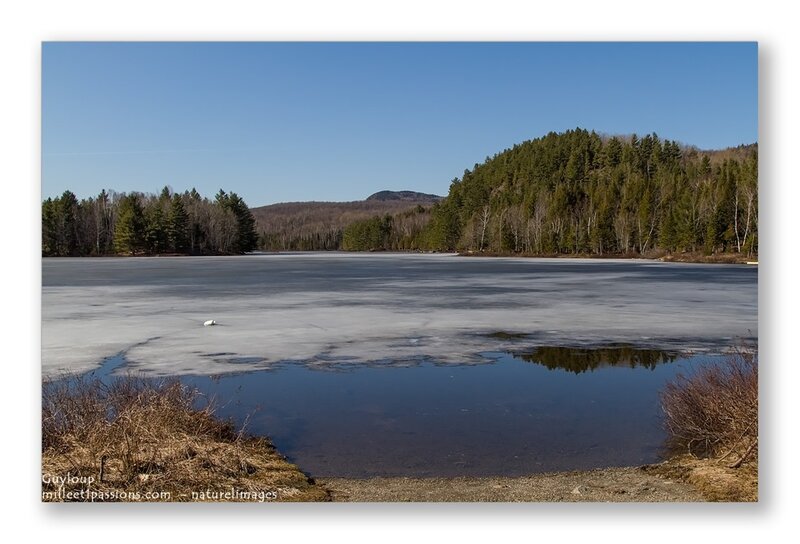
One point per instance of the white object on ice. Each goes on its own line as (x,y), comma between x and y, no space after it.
(209,323)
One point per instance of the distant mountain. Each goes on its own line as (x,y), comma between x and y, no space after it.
(304,226)
(404,196)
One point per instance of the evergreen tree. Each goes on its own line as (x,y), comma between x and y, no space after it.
(67,224)
(103,221)
(49,228)
(178,226)
(247,238)
(130,229)
(155,235)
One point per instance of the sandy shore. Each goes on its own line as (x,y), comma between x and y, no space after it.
(678,480)
(630,484)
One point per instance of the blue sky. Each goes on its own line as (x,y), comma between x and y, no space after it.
(280,122)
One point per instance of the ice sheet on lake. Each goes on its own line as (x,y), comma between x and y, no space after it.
(328,308)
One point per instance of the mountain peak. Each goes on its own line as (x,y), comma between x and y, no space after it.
(410,196)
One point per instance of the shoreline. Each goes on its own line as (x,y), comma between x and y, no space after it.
(173,452)
(689,258)
(679,479)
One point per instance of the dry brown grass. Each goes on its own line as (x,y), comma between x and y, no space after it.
(715,480)
(712,419)
(143,440)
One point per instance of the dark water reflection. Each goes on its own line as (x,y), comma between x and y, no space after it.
(503,418)
(588,359)
(577,408)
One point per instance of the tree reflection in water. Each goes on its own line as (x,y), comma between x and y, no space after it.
(585,359)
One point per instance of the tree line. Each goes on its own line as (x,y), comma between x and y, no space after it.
(580,193)
(147,224)
(575,192)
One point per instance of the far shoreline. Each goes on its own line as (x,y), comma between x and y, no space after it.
(688,258)
(694,258)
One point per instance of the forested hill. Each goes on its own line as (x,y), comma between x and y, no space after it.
(313,226)
(582,193)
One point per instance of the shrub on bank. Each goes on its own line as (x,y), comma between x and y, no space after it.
(137,439)
(713,412)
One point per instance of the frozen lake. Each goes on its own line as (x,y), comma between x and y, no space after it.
(409,365)
(387,308)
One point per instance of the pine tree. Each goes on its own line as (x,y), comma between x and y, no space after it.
(129,233)
(178,226)
(247,238)
(49,228)
(103,223)
(155,229)
(66,220)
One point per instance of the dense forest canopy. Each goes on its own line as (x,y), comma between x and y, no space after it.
(580,193)
(147,224)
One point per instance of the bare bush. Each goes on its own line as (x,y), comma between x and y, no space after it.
(713,412)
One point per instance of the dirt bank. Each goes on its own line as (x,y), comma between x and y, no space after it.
(141,440)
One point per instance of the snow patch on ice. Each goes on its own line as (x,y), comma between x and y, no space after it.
(430,315)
